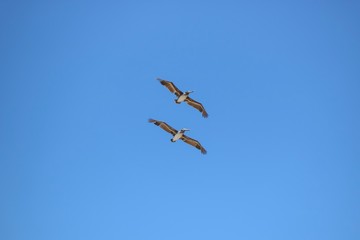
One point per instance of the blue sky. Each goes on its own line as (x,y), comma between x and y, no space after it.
(279,79)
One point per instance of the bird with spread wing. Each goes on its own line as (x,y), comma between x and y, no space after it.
(183,97)
(178,134)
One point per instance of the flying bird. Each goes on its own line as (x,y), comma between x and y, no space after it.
(181,97)
(178,134)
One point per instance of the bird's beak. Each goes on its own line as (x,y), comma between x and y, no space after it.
(186,129)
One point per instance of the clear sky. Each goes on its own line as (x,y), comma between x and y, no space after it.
(279,79)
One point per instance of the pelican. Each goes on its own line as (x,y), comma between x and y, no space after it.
(178,134)
(181,97)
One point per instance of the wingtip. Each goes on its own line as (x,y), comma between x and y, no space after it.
(203,151)
(150,120)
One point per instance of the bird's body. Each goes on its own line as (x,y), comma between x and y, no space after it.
(183,97)
(178,134)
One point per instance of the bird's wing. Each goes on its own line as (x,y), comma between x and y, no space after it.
(194,143)
(164,126)
(197,105)
(171,86)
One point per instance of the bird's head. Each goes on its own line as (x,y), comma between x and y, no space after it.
(188,92)
(185,129)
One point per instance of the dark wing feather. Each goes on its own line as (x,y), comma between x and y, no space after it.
(164,126)
(197,105)
(194,143)
(171,86)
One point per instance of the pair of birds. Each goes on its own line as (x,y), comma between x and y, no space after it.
(181,97)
